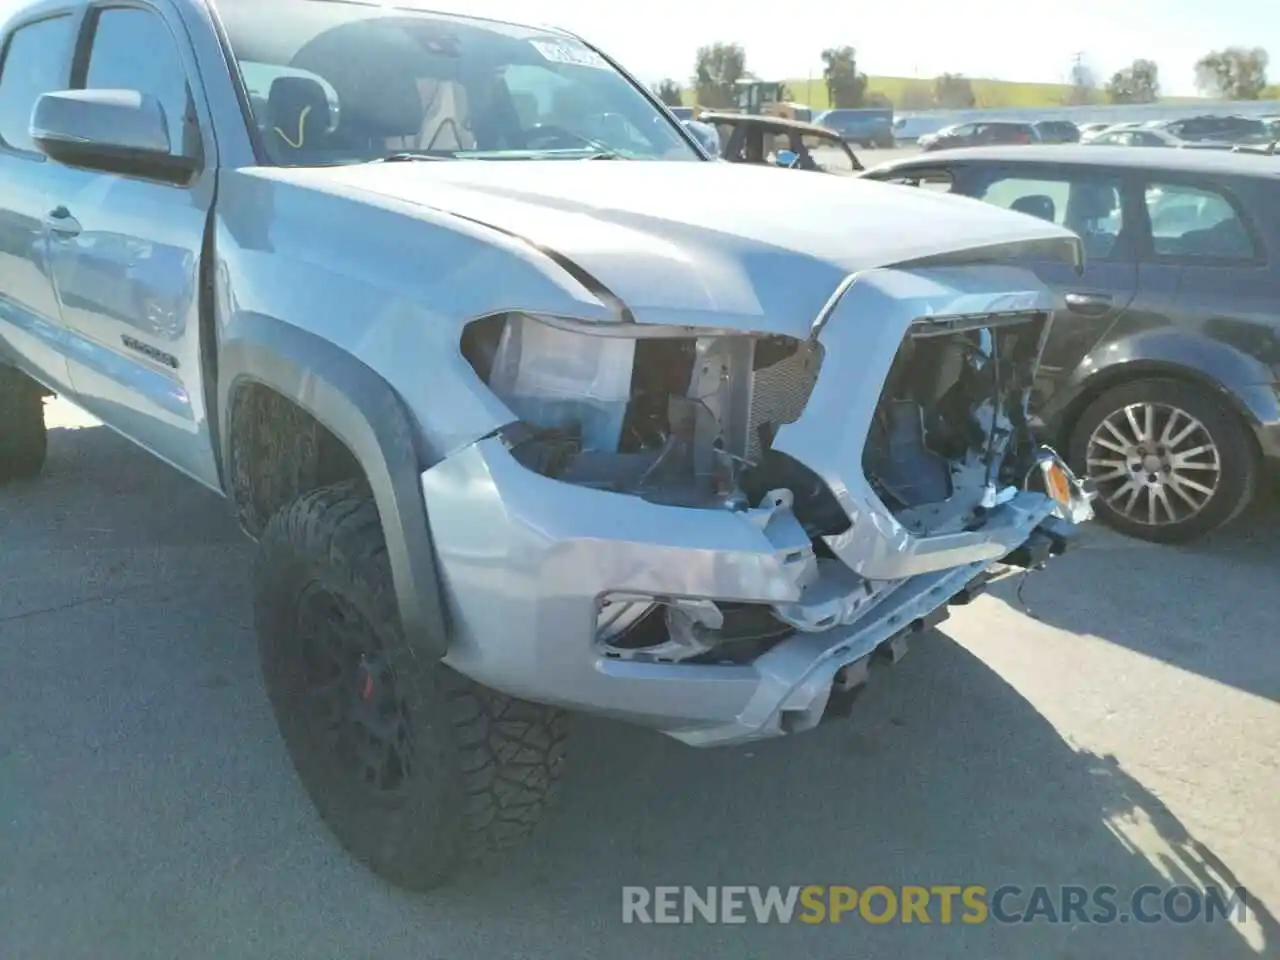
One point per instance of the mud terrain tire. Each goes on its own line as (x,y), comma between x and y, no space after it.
(417,770)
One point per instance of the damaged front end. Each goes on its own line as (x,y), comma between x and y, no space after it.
(713,532)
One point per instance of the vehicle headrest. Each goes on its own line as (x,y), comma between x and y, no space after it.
(373,66)
(297,111)
(1092,202)
(1036,205)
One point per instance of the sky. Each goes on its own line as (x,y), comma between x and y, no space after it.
(1028,40)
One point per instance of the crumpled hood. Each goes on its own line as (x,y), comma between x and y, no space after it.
(700,243)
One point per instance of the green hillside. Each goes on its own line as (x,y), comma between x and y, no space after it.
(912,93)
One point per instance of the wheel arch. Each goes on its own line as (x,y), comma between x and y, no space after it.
(1211,365)
(358,409)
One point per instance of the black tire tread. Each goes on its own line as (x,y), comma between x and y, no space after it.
(23,435)
(496,761)
(1241,463)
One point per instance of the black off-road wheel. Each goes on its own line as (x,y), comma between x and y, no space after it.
(417,770)
(23,441)
(1171,462)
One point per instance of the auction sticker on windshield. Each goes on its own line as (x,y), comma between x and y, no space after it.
(561,51)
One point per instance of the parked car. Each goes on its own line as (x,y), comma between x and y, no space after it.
(1097,130)
(867,127)
(1161,380)
(1216,130)
(1264,149)
(1088,130)
(1145,136)
(706,135)
(514,431)
(911,129)
(1197,133)
(751,138)
(979,133)
(1057,131)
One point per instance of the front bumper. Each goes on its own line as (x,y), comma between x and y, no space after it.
(526,559)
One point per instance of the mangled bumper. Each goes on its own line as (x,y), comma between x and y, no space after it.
(526,560)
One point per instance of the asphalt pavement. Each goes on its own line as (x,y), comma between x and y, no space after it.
(1119,725)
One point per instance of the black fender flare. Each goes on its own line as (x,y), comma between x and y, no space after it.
(363,411)
(1218,366)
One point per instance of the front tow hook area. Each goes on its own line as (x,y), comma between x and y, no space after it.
(851,679)
(1047,540)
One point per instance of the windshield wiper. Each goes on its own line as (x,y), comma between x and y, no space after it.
(406,156)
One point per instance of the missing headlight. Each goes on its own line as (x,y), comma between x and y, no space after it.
(649,411)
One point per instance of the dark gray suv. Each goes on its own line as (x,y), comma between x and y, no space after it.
(1162,378)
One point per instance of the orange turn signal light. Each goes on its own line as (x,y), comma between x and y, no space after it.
(1057,484)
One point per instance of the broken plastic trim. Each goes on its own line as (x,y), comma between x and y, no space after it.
(951,439)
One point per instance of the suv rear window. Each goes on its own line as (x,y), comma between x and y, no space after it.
(1194,223)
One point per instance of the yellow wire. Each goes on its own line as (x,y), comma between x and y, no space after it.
(302,123)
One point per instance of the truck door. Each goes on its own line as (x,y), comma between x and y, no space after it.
(36,60)
(125,252)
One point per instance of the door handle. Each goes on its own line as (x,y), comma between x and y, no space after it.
(62,223)
(1089,304)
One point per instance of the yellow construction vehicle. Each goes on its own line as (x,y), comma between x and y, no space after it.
(767,98)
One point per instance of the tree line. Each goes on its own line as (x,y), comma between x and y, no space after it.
(1233,73)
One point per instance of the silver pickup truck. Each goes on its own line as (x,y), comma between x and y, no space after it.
(529,406)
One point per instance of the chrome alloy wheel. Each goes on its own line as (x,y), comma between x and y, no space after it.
(1154,464)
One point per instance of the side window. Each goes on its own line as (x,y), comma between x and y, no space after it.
(1194,223)
(37,60)
(1090,206)
(117,61)
(1046,199)
(939,181)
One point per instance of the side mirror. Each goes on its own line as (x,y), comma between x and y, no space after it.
(115,131)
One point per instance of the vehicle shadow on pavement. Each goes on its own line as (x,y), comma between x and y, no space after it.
(145,786)
(945,774)
(1207,608)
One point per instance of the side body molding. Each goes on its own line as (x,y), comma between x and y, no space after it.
(362,411)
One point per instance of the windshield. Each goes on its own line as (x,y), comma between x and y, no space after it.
(349,83)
